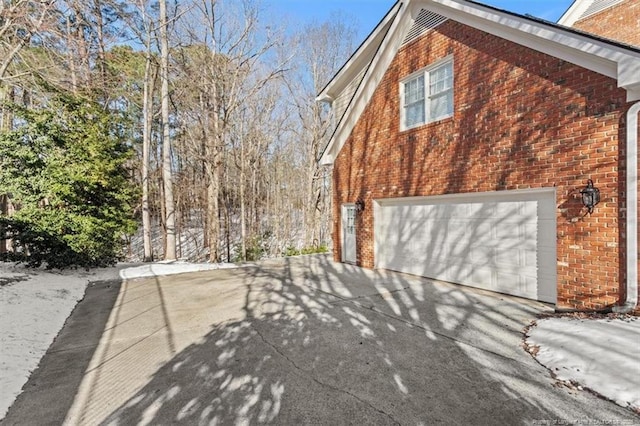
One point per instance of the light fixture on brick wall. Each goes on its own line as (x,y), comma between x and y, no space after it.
(590,196)
(359,205)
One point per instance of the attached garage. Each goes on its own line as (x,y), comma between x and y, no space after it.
(501,241)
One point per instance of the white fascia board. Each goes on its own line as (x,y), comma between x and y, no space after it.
(381,61)
(361,58)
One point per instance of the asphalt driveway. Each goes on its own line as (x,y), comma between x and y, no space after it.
(298,341)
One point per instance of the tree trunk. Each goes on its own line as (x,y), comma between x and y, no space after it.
(102,63)
(213,153)
(167,178)
(71,61)
(6,125)
(149,80)
(243,224)
(212,167)
(213,208)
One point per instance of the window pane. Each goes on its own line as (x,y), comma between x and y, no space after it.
(441,92)
(414,107)
(441,79)
(414,114)
(441,106)
(414,90)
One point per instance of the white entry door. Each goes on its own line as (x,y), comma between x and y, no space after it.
(503,241)
(349,233)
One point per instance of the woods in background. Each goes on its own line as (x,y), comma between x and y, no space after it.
(212,138)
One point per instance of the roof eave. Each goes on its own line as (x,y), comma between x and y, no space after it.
(360,58)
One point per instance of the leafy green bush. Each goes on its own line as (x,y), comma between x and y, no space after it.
(315,249)
(292,251)
(65,169)
(256,248)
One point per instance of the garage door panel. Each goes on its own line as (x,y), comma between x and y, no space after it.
(430,266)
(460,211)
(458,272)
(456,229)
(505,231)
(528,209)
(507,258)
(472,210)
(458,249)
(480,277)
(479,232)
(481,210)
(498,241)
(509,210)
(531,259)
(481,255)
(507,282)
(529,231)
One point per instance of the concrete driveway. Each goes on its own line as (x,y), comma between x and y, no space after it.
(298,341)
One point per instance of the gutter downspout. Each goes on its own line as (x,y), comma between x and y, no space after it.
(632,211)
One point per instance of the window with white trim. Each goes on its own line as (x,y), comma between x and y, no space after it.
(427,96)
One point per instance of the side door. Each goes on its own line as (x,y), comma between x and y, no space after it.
(349,233)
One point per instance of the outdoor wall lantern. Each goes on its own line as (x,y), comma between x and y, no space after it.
(359,205)
(590,196)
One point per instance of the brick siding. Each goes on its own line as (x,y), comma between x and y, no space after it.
(620,22)
(522,119)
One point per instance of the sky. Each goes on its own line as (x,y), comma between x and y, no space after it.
(368,13)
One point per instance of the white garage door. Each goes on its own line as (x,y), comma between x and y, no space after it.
(501,241)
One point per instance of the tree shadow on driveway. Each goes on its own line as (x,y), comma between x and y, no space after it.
(327,343)
(309,341)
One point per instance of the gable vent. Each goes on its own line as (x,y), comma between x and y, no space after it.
(425,21)
(598,6)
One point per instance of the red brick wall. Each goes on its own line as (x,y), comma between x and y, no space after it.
(522,120)
(620,22)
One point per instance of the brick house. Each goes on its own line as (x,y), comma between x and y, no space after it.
(464,137)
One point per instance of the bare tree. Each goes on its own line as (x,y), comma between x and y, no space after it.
(20,22)
(167,178)
(322,48)
(223,55)
(150,72)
